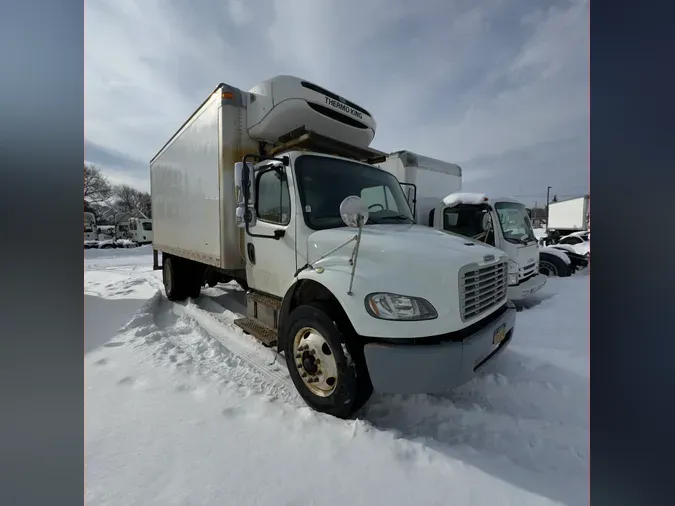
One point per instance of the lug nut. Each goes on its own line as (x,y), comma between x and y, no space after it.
(317,361)
(298,356)
(312,352)
(304,375)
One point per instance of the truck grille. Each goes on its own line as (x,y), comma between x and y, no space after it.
(528,271)
(481,288)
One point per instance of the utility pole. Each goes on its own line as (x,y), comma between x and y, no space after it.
(548,193)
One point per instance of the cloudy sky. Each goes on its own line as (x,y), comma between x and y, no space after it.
(499,86)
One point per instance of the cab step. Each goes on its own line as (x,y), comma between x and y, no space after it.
(260,331)
(262,317)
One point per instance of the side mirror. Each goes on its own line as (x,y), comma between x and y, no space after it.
(354,211)
(487,222)
(244,187)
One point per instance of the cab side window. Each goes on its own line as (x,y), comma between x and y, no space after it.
(274,199)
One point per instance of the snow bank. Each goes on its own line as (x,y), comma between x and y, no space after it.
(167,435)
(183,408)
(455,199)
(145,250)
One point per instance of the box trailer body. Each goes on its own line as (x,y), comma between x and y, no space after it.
(430,180)
(278,189)
(570,215)
(192,183)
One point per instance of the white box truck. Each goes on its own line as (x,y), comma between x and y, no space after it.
(140,230)
(567,216)
(275,189)
(434,189)
(568,230)
(89,229)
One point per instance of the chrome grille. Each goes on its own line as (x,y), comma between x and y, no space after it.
(481,288)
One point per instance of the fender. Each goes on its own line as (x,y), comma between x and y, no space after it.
(290,300)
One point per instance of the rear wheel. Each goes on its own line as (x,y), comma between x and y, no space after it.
(320,363)
(173,275)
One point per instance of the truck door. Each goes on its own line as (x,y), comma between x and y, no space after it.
(271,263)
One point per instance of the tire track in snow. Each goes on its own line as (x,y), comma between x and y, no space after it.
(172,328)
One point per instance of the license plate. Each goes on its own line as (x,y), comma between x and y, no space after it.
(499,335)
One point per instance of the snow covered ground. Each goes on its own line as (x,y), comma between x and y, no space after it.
(184,409)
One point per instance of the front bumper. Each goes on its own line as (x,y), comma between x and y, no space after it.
(532,285)
(436,368)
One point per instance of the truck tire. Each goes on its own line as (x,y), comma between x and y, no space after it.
(174,277)
(321,365)
(551,265)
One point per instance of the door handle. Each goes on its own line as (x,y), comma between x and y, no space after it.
(250,250)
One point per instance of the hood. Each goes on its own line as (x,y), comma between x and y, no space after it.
(409,260)
(403,246)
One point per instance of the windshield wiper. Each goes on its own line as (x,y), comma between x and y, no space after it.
(517,240)
(397,217)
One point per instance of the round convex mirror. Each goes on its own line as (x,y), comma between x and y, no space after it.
(353,208)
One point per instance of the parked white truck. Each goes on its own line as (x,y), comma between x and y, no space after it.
(434,189)
(89,227)
(568,216)
(140,230)
(274,188)
(568,231)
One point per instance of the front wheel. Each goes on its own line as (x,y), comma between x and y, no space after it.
(320,363)
(551,265)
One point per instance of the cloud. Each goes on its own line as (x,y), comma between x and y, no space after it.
(490,84)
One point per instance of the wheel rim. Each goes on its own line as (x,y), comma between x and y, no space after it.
(315,362)
(547,269)
(167,276)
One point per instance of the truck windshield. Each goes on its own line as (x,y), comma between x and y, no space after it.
(515,223)
(324,183)
(467,220)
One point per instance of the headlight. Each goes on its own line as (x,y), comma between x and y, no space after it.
(513,272)
(390,306)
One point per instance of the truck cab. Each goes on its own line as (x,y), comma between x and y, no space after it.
(140,230)
(503,223)
(89,227)
(434,191)
(278,189)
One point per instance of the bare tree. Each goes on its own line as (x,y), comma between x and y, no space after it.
(127,199)
(96,185)
(145,204)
